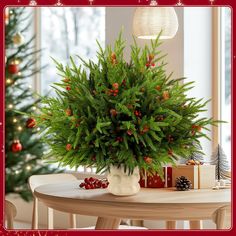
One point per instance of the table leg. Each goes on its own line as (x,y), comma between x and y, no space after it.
(35,214)
(195,224)
(219,218)
(72,220)
(50,218)
(171,224)
(137,223)
(107,223)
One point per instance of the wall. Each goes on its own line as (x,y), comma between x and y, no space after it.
(198,58)
(116,17)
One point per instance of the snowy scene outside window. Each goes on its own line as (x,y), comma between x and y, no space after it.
(226,81)
(65,32)
(69,31)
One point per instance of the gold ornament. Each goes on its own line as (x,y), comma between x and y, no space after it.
(18,38)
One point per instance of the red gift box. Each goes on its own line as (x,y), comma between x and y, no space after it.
(155,181)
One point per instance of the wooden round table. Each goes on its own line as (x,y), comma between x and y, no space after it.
(149,204)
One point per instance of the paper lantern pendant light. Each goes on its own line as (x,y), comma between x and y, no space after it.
(149,21)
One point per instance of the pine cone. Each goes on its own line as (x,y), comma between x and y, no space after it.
(182,183)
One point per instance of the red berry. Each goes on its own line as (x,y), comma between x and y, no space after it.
(68,147)
(91,179)
(153,64)
(116,91)
(148,65)
(129,132)
(87,186)
(92,186)
(115,85)
(115,94)
(86,180)
(104,185)
(81,185)
(68,88)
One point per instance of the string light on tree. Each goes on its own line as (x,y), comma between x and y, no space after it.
(10,106)
(9,81)
(14,120)
(17,172)
(28,168)
(34,108)
(19,128)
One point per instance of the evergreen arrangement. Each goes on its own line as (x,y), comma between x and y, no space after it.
(222,164)
(118,113)
(24,149)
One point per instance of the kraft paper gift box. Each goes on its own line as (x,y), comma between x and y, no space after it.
(155,181)
(201,176)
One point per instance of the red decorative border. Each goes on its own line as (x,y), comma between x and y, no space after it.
(4,3)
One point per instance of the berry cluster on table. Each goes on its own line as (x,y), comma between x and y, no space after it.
(92,183)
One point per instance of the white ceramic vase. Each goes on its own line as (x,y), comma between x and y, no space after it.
(122,184)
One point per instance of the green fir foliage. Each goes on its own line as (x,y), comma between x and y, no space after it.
(113,112)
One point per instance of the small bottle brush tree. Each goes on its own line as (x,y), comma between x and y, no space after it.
(222,164)
(118,113)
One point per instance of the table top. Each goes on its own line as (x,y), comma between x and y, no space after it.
(72,191)
(150,204)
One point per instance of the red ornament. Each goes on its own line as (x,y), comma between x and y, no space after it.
(16,146)
(68,147)
(13,68)
(31,123)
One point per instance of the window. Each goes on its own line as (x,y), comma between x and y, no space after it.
(65,32)
(225,86)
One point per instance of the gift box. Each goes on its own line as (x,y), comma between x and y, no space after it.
(155,181)
(201,176)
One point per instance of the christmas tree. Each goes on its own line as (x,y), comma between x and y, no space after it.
(23,146)
(222,164)
(118,113)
